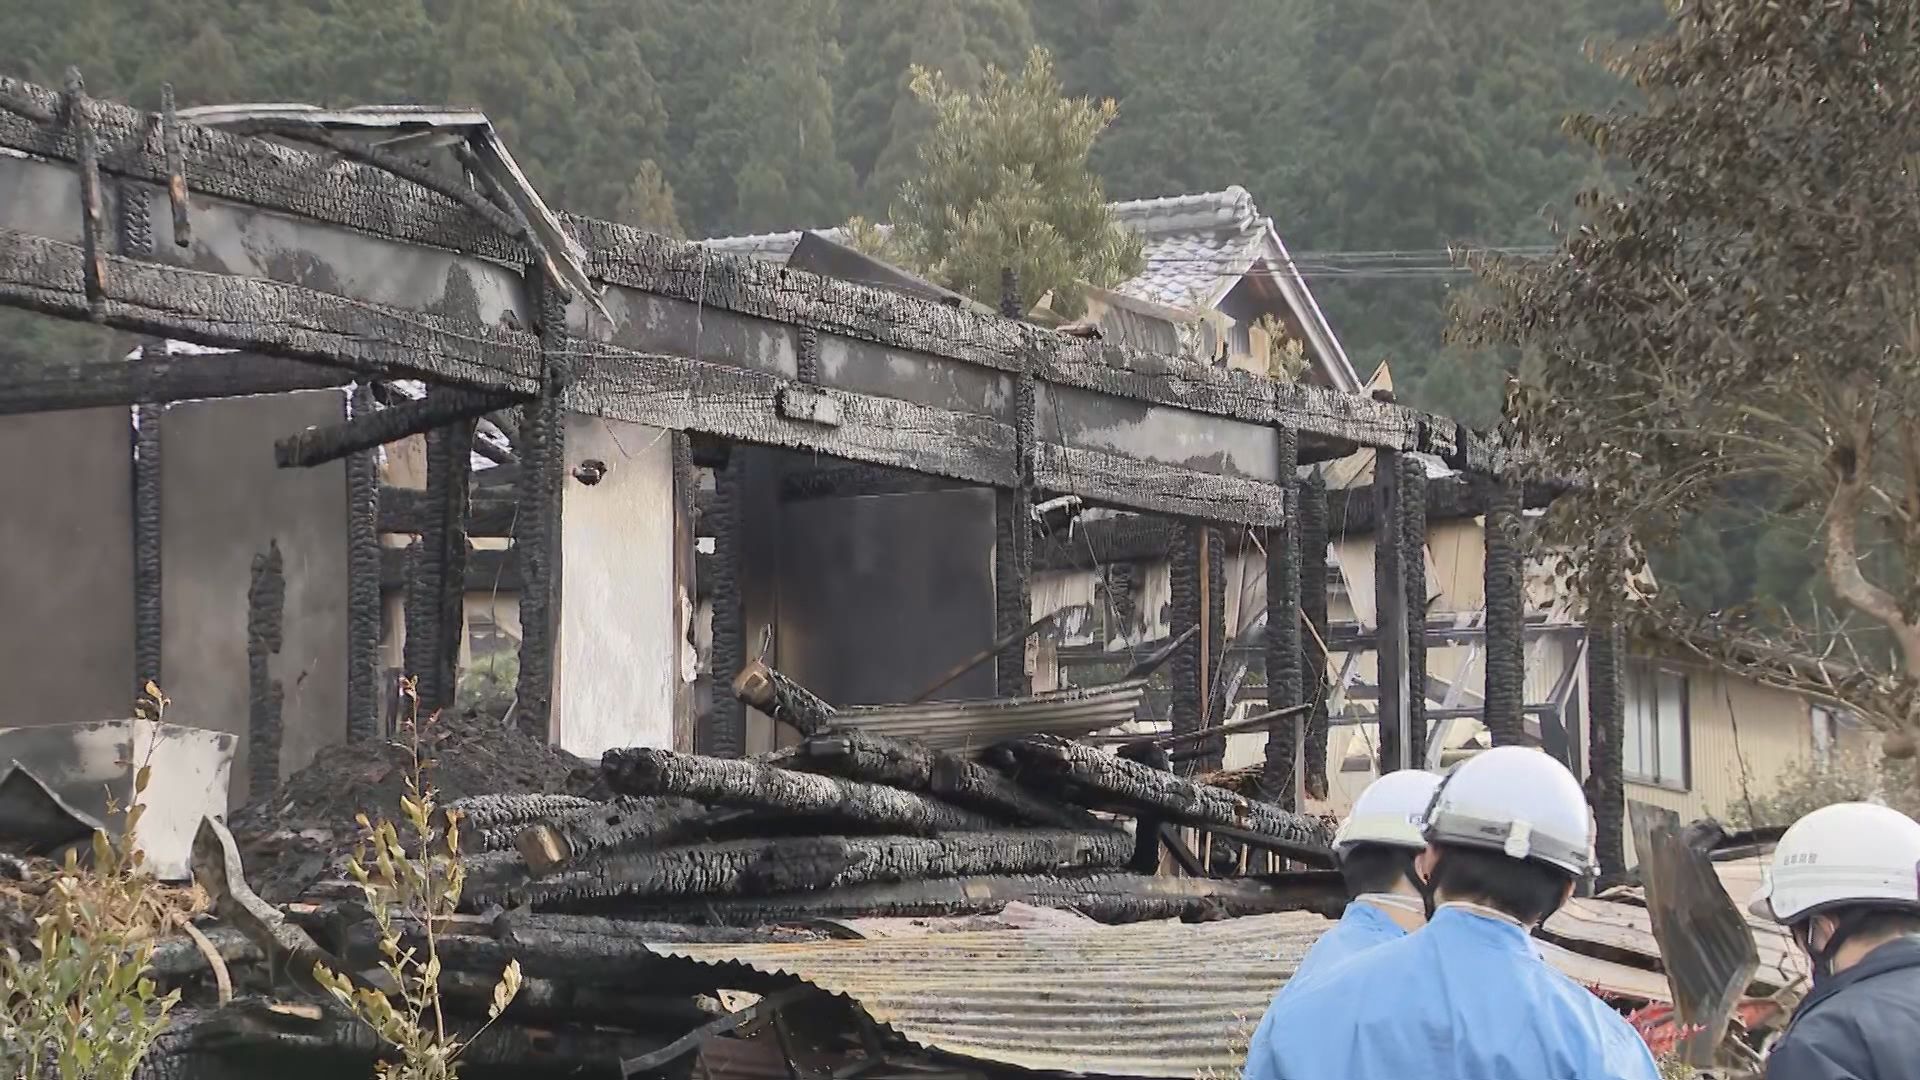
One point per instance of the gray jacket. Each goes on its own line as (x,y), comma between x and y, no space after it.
(1862,1024)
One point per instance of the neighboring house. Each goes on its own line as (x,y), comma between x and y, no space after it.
(1210,257)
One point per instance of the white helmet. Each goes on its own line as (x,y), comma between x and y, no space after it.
(1848,853)
(1519,802)
(1391,812)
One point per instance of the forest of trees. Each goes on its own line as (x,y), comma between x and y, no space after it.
(1375,132)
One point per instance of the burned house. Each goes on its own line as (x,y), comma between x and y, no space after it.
(865,481)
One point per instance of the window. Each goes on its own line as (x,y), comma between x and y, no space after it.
(1656,745)
(1822,720)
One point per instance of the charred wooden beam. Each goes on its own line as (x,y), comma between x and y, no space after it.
(870,758)
(1124,538)
(643,771)
(1390,559)
(849,481)
(537,544)
(1110,781)
(443,407)
(548,846)
(364,614)
(490,513)
(1284,684)
(768,867)
(725,731)
(1103,897)
(266,613)
(565,1002)
(488,570)
(1506,664)
(436,592)
(156,379)
(147,594)
(494,811)
(1606,735)
(1413,565)
(1449,498)
(1313,613)
(777,695)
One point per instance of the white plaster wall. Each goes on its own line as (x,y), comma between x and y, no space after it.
(618,657)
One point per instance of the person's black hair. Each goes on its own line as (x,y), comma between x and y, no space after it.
(1528,891)
(1375,868)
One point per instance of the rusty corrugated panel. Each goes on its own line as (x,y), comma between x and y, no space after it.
(1148,1000)
(958,725)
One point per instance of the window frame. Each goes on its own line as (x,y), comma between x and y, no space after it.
(1647,672)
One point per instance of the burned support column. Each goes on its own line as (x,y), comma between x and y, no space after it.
(1413,553)
(266,612)
(1013,526)
(536,535)
(1186,585)
(1283,631)
(436,592)
(147,605)
(725,732)
(1606,782)
(1506,617)
(363,583)
(1390,611)
(1313,613)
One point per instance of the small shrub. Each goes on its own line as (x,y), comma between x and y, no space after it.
(1846,777)
(83,1004)
(419,885)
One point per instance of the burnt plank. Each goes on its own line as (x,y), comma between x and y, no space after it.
(66,385)
(492,511)
(1112,479)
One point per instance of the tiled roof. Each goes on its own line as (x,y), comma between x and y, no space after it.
(1194,244)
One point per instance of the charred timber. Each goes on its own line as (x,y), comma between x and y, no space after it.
(1606,783)
(443,406)
(761,686)
(436,590)
(768,867)
(156,380)
(1127,785)
(1123,538)
(364,613)
(490,513)
(489,570)
(550,845)
(908,765)
(148,595)
(1506,665)
(1413,566)
(1449,498)
(1390,559)
(266,614)
(1103,897)
(1284,684)
(742,783)
(537,535)
(725,729)
(492,811)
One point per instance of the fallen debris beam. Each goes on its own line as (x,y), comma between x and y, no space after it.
(1113,781)
(1104,897)
(773,693)
(157,380)
(877,760)
(762,867)
(445,405)
(493,811)
(737,782)
(548,846)
(687,1043)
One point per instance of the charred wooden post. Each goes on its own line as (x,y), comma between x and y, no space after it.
(1313,612)
(1506,615)
(1106,780)
(1413,522)
(773,693)
(176,170)
(78,116)
(1390,612)
(1284,655)
(875,760)
(1606,735)
(147,595)
(737,782)
(765,867)
(725,732)
(363,583)
(536,544)
(1188,579)
(266,610)
(436,594)
(686,582)
(1013,524)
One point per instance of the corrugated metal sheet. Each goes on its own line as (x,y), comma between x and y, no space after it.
(1154,1000)
(959,725)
